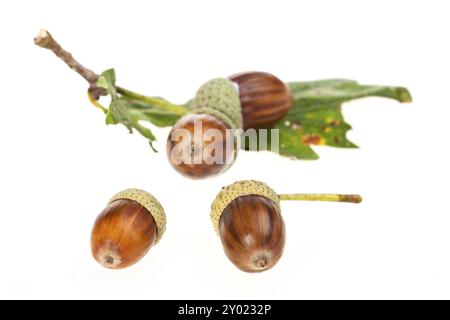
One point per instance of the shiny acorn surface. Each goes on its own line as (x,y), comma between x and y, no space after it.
(201,146)
(122,234)
(252,232)
(265,99)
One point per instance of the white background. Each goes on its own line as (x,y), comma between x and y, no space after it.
(60,164)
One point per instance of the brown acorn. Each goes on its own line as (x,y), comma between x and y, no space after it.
(204,142)
(127,228)
(247,217)
(195,153)
(265,99)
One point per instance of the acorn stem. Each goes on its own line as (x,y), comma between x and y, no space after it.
(45,40)
(154,101)
(351,198)
(96,103)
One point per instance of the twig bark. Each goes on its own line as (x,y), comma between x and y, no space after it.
(45,40)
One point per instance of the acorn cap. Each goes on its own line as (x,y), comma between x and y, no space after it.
(219,97)
(149,202)
(238,189)
(215,113)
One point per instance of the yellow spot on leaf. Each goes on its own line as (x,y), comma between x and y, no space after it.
(313,139)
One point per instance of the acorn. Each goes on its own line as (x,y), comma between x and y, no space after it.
(247,217)
(265,99)
(132,222)
(205,143)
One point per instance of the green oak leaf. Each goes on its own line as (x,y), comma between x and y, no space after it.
(130,108)
(120,109)
(288,143)
(316,117)
(154,115)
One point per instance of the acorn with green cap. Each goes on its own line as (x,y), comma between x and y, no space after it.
(205,142)
(247,217)
(132,222)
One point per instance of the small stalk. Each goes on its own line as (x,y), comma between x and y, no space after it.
(350,198)
(95,102)
(45,40)
(154,101)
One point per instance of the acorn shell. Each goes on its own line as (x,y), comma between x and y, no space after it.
(238,189)
(264,98)
(207,167)
(122,234)
(150,203)
(252,233)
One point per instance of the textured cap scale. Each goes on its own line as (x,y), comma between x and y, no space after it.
(148,202)
(238,189)
(219,98)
